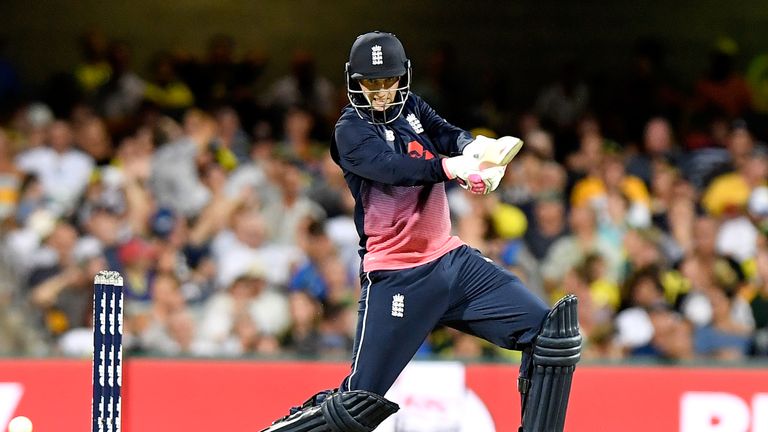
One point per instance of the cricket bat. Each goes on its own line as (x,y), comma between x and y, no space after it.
(498,152)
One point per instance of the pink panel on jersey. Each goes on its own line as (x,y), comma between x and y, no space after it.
(406,226)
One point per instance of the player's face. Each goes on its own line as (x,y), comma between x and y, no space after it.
(380,92)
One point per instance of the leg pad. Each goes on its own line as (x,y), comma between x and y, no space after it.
(556,351)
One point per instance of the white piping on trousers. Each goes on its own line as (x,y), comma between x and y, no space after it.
(362,332)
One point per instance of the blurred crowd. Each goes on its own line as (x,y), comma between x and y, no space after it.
(214,195)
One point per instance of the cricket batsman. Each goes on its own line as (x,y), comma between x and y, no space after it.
(397,155)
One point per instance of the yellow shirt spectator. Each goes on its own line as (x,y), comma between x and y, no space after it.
(757,78)
(727,192)
(605,294)
(589,188)
(92,76)
(173,95)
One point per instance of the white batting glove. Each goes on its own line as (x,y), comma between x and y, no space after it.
(469,175)
(491,152)
(462,168)
(492,177)
(485,181)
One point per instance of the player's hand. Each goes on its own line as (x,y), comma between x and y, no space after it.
(460,167)
(491,152)
(466,170)
(485,181)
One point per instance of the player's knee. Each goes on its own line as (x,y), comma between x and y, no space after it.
(536,316)
(526,329)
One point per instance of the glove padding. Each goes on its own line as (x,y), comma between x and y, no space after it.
(491,152)
(470,176)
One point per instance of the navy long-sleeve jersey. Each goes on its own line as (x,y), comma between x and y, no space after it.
(396,177)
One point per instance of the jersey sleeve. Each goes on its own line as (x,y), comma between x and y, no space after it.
(449,139)
(363,152)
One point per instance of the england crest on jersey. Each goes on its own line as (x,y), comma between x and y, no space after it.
(415,123)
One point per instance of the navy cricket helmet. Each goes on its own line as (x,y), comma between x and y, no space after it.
(377,56)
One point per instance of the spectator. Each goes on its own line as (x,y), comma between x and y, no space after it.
(251,182)
(341,290)
(672,335)
(18,334)
(232,143)
(571,249)
(529,177)
(466,347)
(297,138)
(93,138)
(60,290)
(728,193)
(642,249)
(251,293)
(309,275)
(757,296)
(247,338)
(246,242)
(658,148)
(648,326)
(29,126)
(293,211)
(547,226)
(77,340)
(63,170)
(662,190)
(164,89)
(165,325)
(680,219)
(336,331)
(591,316)
(302,336)
(10,178)
(55,253)
(327,189)
(177,337)
(590,153)
(540,143)
(119,98)
(610,177)
(738,236)
(137,263)
(725,337)
(175,181)
(723,90)
(94,70)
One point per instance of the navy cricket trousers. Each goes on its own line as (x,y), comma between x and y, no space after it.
(462,289)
